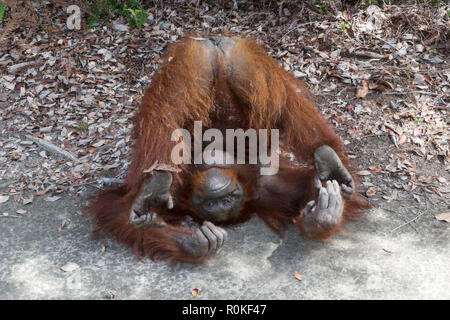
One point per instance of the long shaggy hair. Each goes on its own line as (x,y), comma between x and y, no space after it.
(225,83)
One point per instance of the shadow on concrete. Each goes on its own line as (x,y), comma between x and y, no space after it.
(370,262)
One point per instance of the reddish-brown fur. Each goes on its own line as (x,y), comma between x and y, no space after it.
(238,86)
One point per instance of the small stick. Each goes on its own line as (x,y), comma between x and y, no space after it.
(112,181)
(8,216)
(52,148)
(375,36)
(419,92)
(408,222)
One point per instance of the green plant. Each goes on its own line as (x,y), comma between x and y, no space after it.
(84,126)
(137,17)
(435,2)
(344,25)
(321,7)
(131,10)
(93,19)
(367,3)
(2,9)
(104,172)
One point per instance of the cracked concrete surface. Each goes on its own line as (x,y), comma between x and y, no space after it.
(370,262)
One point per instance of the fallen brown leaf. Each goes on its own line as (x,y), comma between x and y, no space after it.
(69,267)
(334,74)
(435,190)
(376,168)
(61,226)
(41,192)
(195,292)
(373,86)
(371,191)
(402,139)
(298,276)
(445,216)
(27,201)
(386,83)
(428,79)
(425,179)
(362,90)
(3,199)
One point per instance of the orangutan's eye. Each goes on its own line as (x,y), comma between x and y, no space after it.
(209,204)
(228,199)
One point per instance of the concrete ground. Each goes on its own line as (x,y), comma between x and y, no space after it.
(371,262)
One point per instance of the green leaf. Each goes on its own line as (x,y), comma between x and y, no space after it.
(92,22)
(84,126)
(2,9)
(141,18)
(104,172)
(131,10)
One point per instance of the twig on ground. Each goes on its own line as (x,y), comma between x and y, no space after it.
(377,37)
(112,181)
(409,92)
(8,216)
(408,222)
(401,217)
(48,146)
